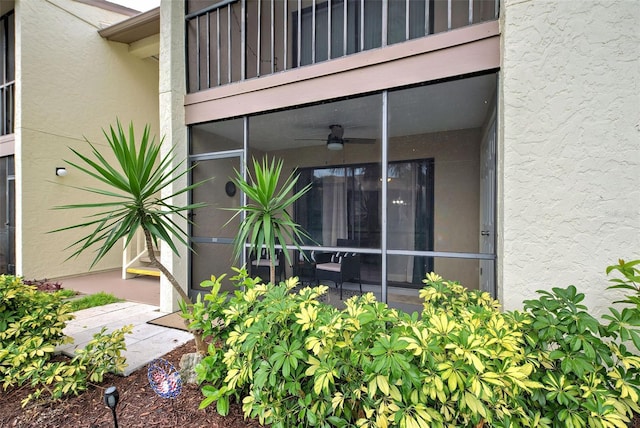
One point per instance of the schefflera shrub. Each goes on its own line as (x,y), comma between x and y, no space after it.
(31,326)
(589,368)
(292,360)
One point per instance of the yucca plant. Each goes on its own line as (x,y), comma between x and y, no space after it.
(133,184)
(267,222)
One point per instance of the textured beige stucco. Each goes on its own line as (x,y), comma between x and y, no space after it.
(569,137)
(70,83)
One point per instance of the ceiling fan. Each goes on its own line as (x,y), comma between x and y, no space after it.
(336,140)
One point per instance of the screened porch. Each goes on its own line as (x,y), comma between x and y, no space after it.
(407,183)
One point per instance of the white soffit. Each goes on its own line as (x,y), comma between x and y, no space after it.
(140,32)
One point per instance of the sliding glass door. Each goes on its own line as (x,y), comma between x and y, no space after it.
(351,209)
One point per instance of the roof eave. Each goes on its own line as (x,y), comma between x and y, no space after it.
(135,28)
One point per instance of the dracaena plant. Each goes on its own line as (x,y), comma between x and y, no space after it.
(267,220)
(132,187)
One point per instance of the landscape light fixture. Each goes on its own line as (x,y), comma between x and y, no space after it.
(61,171)
(111,397)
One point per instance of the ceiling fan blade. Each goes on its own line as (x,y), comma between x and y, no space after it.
(359,140)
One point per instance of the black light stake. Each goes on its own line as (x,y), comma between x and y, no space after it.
(111,397)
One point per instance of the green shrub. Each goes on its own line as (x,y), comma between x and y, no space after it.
(31,324)
(294,361)
(589,374)
(66,293)
(100,356)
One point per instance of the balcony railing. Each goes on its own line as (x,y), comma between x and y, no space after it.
(7,73)
(6,107)
(233,40)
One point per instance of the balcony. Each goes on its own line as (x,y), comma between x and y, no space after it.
(235,40)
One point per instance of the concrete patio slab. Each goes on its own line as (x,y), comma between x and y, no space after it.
(146,343)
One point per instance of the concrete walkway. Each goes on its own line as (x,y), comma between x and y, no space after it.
(142,289)
(146,343)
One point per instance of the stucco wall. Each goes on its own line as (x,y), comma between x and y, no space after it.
(70,83)
(570,158)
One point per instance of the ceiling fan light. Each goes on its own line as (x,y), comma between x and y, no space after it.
(334,145)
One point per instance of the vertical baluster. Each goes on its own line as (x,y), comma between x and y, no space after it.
(344,29)
(407,27)
(5,117)
(243,40)
(449,14)
(198,52)
(496,5)
(427,30)
(273,38)
(208,17)
(229,67)
(313,31)
(299,31)
(10,103)
(3,111)
(361,25)
(384,32)
(218,46)
(328,29)
(470,12)
(259,39)
(12,108)
(285,51)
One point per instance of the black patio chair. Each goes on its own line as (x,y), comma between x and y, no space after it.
(260,267)
(339,267)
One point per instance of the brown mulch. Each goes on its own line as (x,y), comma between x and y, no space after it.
(139,406)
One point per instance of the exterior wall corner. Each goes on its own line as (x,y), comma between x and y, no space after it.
(174,132)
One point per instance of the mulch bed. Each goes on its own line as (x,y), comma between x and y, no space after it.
(139,406)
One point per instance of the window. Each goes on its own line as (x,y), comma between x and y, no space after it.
(345,203)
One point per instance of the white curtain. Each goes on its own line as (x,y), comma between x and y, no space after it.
(334,209)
